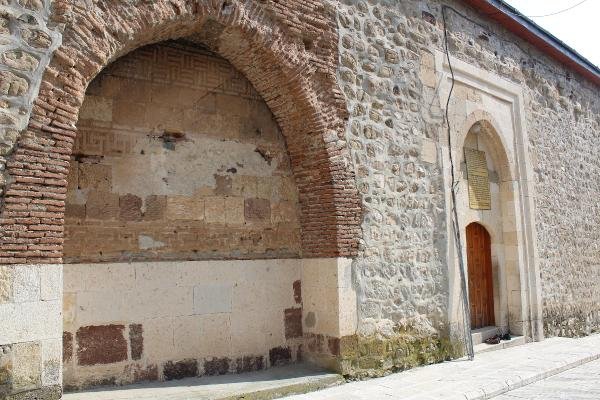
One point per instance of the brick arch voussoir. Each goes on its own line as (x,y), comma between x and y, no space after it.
(309,111)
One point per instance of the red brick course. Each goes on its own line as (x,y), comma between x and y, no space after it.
(287,49)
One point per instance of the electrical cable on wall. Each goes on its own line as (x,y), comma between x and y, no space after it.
(455,225)
(518,14)
(468,342)
(535,60)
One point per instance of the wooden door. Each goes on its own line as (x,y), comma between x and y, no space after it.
(479,264)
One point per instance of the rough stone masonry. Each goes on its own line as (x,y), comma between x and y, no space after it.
(277,170)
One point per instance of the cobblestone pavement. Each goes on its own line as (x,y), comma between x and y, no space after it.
(490,374)
(581,383)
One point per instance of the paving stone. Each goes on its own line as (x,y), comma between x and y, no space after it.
(267,384)
(488,375)
(582,383)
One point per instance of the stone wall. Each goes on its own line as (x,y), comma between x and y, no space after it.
(401,271)
(30,342)
(289,60)
(30,296)
(564,123)
(396,133)
(125,323)
(178,157)
(562,112)
(26,44)
(287,51)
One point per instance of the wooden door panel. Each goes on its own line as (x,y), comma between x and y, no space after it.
(479,264)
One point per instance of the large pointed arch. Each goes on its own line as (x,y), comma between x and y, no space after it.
(299,88)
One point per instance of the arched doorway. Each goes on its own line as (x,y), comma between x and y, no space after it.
(479,264)
(494,225)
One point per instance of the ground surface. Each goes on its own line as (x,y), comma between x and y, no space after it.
(490,374)
(269,384)
(581,383)
(556,368)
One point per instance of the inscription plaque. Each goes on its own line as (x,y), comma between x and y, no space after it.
(478,178)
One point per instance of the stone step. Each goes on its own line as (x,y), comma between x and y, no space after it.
(269,384)
(504,344)
(480,335)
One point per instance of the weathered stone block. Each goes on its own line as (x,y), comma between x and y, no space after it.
(187,368)
(141,373)
(257,210)
(104,344)
(130,207)
(75,211)
(67,351)
(6,283)
(428,77)
(215,329)
(211,299)
(245,186)
(391,56)
(12,85)
(6,369)
(51,362)
(45,393)
(284,211)
(158,338)
(97,108)
(216,366)
(236,105)
(223,185)
(31,320)
(136,341)
(26,285)
(102,205)
(51,282)
(293,323)
(7,119)
(95,177)
(27,366)
(146,242)
(185,208)
(155,207)
(73,181)
(249,364)
(214,211)
(36,38)
(279,356)
(34,5)
(68,311)
(18,59)
(429,151)
(234,210)
(264,187)
(5,23)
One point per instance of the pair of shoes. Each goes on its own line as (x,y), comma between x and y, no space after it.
(493,340)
